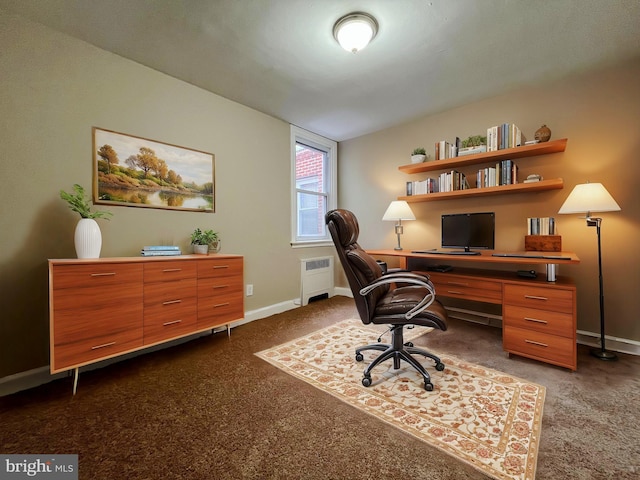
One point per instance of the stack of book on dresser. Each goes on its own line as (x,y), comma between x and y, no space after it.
(160,250)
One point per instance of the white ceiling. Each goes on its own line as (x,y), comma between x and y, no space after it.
(280,57)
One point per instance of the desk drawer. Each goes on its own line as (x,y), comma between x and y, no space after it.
(543,321)
(540,346)
(469,288)
(539,297)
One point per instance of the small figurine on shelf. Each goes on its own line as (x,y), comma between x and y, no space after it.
(543,134)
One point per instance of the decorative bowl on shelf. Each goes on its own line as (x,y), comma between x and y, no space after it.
(418,158)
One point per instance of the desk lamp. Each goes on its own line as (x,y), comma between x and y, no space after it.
(593,197)
(398,210)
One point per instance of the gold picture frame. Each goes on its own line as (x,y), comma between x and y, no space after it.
(133,171)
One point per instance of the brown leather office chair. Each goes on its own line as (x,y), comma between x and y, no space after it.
(398,299)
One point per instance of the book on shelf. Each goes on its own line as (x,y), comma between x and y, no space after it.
(504,173)
(505,135)
(471,150)
(541,226)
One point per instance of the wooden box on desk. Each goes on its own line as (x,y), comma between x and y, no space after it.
(543,243)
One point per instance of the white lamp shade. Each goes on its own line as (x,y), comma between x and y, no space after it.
(398,210)
(589,197)
(354,31)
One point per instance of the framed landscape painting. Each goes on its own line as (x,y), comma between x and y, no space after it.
(138,172)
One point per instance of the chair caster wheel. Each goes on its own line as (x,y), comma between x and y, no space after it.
(359,357)
(408,344)
(428,386)
(439,366)
(366,381)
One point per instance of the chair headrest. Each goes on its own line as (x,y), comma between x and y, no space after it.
(346,226)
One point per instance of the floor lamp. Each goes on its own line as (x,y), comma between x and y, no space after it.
(593,197)
(397,211)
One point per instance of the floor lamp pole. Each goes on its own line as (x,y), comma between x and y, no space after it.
(601,352)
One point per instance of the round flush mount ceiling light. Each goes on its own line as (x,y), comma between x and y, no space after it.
(355,30)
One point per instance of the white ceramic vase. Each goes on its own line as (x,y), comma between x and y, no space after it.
(88,238)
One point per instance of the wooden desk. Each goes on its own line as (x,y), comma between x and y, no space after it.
(538,316)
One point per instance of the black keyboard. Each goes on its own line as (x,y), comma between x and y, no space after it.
(446,252)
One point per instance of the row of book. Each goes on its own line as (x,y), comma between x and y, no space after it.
(499,137)
(504,173)
(160,250)
(445,182)
(541,226)
(506,135)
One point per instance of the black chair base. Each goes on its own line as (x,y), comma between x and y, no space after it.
(398,350)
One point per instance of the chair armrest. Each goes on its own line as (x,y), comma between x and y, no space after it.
(410,278)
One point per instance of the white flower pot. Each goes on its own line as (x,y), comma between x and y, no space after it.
(418,158)
(201,249)
(88,238)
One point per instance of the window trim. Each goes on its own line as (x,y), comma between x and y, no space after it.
(299,135)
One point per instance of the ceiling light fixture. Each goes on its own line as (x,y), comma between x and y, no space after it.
(355,30)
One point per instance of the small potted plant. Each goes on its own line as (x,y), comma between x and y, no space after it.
(87,237)
(202,240)
(418,155)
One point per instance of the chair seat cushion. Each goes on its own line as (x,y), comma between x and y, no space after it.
(392,307)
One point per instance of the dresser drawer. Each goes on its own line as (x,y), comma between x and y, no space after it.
(217,310)
(169,271)
(543,321)
(94,275)
(540,346)
(539,297)
(170,309)
(469,288)
(220,267)
(101,345)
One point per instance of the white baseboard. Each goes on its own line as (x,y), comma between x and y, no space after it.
(41,375)
(616,344)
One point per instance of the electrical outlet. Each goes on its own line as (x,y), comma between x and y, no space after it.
(249,289)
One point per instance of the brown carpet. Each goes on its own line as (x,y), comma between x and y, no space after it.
(211,409)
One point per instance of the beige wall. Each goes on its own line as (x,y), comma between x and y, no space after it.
(53,89)
(599,114)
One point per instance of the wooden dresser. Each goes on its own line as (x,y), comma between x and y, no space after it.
(106,307)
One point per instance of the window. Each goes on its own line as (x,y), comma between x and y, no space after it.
(314,166)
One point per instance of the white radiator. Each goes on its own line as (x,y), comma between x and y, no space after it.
(316,278)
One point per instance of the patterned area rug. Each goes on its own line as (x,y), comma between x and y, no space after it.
(485,418)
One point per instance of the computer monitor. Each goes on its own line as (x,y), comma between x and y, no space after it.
(468,230)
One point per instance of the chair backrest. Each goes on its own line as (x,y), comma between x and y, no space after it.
(360,268)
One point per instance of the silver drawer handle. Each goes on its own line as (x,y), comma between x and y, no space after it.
(461,284)
(536,320)
(221,286)
(533,297)
(103,345)
(221,266)
(536,343)
(221,304)
(170,302)
(172,270)
(108,274)
(455,292)
(171,323)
